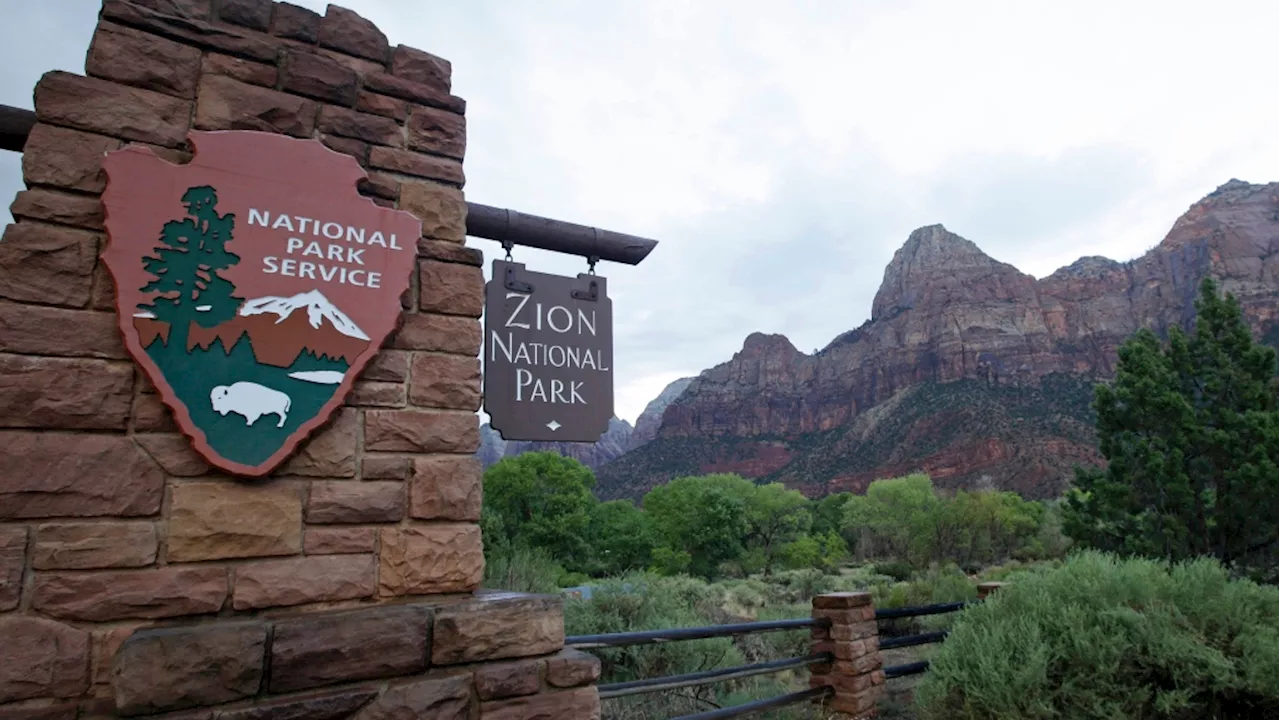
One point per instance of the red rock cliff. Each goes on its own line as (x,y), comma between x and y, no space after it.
(947,312)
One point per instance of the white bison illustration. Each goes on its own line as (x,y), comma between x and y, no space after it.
(250,400)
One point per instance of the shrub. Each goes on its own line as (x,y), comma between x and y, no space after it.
(1102,637)
(522,569)
(899,571)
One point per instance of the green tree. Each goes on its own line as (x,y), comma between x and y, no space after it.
(621,538)
(184,268)
(703,518)
(896,518)
(775,516)
(540,500)
(1189,432)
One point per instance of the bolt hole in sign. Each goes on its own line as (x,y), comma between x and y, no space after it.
(548,356)
(253,285)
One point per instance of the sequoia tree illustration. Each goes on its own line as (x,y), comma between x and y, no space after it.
(185,267)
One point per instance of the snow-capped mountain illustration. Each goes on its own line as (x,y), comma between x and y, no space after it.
(318,308)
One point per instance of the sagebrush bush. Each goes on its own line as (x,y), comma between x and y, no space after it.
(1102,637)
(522,569)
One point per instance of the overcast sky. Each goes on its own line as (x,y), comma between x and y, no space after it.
(781,152)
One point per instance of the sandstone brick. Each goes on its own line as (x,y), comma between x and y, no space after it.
(126,594)
(412,163)
(842,600)
(450,289)
(331,452)
(294,22)
(582,703)
(13,561)
(124,55)
(59,474)
(446,487)
(439,132)
(386,467)
(387,366)
(448,382)
(571,668)
(357,149)
(227,104)
(449,251)
(334,705)
(380,185)
(442,209)
(106,107)
(247,71)
(89,546)
(377,394)
(497,625)
(174,453)
(54,711)
(253,14)
(504,680)
(405,89)
(384,105)
(212,520)
(421,67)
(427,559)
(340,540)
(361,126)
(359,66)
(103,294)
(104,646)
(196,30)
(454,334)
(64,393)
(150,414)
(41,658)
(442,698)
(351,502)
(194,9)
(345,31)
(316,76)
(428,432)
(47,264)
(65,158)
(62,208)
(359,645)
(176,668)
(40,330)
(314,578)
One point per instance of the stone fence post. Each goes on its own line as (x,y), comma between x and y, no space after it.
(986,588)
(854,640)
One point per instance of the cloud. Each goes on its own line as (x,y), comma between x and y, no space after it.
(781,152)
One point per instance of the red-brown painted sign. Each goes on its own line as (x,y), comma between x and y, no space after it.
(253,285)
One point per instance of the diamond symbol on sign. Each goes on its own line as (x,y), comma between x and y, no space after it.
(554,425)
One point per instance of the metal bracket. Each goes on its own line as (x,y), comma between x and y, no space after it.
(514,285)
(591,294)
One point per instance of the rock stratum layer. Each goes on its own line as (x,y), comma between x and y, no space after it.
(968,368)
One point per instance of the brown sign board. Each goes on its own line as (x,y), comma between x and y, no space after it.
(548,355)
(253,285)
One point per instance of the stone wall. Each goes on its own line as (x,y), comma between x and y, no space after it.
(133,580)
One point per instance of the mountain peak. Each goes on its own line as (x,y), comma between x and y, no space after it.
(759,343)
(932,259)
(317,306)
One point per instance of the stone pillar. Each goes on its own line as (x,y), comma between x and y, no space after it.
(358,560)
(986,588)
(854,640)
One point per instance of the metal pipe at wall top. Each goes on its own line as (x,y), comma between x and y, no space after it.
(483,221)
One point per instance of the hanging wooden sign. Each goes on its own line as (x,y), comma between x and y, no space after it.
(252,285)
(548,356)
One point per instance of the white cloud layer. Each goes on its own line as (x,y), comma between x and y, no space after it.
(782,151)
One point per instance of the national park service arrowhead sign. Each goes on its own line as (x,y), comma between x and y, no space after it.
(253,285)
(548,360)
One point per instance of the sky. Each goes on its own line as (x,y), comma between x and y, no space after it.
(781,152)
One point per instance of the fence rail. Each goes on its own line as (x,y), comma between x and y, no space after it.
(672,682)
